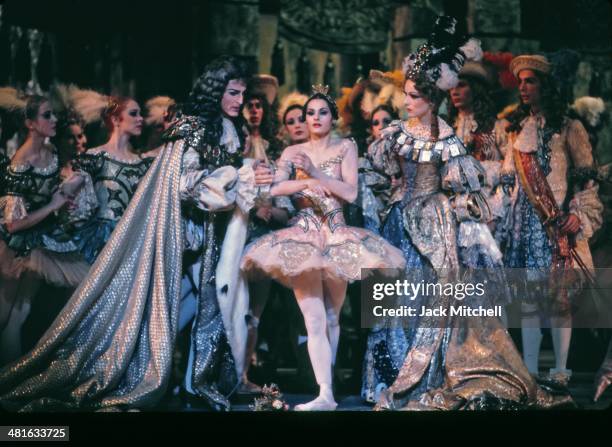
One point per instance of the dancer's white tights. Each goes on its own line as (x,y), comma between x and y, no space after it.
(531,332)
(318,300)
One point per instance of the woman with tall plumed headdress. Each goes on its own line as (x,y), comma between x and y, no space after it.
(442,362)
(34,248)
(111,346)
(114,168)
(319,254)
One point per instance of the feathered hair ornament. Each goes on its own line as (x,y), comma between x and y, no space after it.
(157,107)
(290,100)
(11,101)
(441,58)
(89,104)
(59,97)
(383,89)
(589,109)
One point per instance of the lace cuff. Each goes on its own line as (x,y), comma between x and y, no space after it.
(247,191)
(13,208)
(85,201)
(472,206)
(587,206)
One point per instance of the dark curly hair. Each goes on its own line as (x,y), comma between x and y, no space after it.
(33,103)
(269,122)
(387,108)
(552,106)
(63,132)
(483,105)
(205,97)
(435,96)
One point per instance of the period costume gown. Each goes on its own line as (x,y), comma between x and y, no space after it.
(443,362)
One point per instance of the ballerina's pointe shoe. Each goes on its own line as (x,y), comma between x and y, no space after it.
(603,383)
(319,404)
(248,387)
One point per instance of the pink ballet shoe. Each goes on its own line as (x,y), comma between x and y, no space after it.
(602,384)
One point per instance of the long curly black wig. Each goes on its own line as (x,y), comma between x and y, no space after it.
(205,97)
(269,123)
(552,107)
(483,105)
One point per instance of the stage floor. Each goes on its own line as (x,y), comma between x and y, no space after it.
(581,388)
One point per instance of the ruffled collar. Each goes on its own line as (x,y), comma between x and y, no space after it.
(229,138)
(418,131)
(26,166)
(465,127)
(528,139)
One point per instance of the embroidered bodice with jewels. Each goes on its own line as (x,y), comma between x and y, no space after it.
(431,166)
(114,180)
(313,207)
(27,189)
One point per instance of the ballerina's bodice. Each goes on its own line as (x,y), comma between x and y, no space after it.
(114,180)
(34,185)
(317,207)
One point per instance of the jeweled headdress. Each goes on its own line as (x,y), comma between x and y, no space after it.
(440,59)
(322,91)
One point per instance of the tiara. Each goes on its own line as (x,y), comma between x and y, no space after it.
(321,89)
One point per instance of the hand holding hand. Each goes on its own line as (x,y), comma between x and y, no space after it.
(264,213)
(303,162)
(317,187)
(263,174)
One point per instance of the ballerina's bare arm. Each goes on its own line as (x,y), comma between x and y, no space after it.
(282,186)
(19,221)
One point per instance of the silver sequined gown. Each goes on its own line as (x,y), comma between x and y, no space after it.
(445,363)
